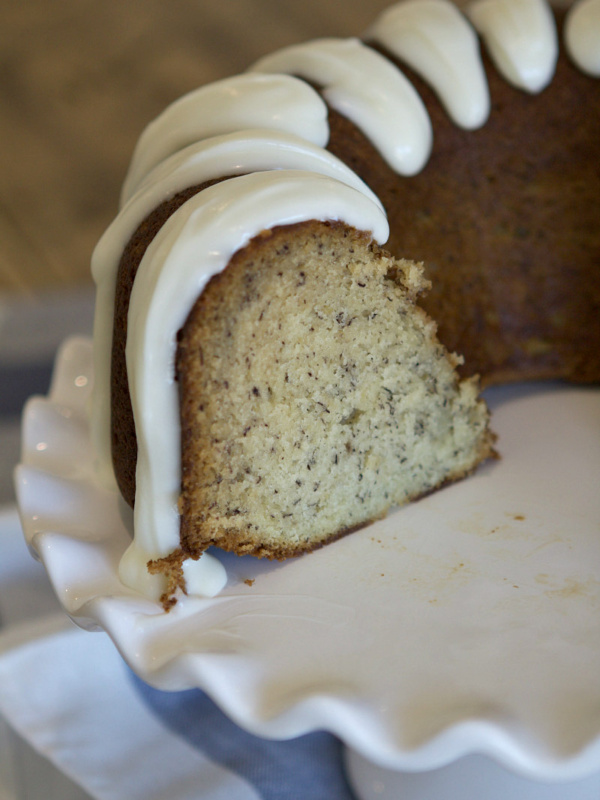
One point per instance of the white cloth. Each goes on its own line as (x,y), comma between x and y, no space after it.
(72,698)
(68,693)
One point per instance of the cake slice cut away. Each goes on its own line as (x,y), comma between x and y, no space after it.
(314,396)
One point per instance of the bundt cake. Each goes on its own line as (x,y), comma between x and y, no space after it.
(266,379)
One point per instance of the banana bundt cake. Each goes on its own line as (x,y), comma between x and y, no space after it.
(267,377)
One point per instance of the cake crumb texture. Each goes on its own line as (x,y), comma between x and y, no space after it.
(315,395)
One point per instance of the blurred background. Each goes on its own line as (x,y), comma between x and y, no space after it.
(80,79)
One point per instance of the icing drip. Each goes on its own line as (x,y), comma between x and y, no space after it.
(195,243)
(582,36)
(277,102)
(435,39)
(367,89)
(228,155)
(521,38)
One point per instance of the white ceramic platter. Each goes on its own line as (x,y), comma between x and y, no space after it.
(466,622)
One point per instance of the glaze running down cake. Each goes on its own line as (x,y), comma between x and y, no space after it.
(265,376)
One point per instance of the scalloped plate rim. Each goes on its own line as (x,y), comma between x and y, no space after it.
(132,623)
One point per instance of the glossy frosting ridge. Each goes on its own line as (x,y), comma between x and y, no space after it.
(436,40)
(366,88)
(521,39)
(582,35)
(277,102)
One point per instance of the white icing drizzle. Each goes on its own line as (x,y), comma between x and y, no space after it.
(231,154)
(195,243)
(435,39)
(582,36)
(245,151)
(277,102)
(369,90)
(521,38)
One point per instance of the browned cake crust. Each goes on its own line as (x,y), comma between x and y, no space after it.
(507,222)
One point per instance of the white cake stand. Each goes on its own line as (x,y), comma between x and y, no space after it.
(454,645)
